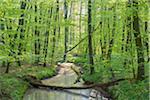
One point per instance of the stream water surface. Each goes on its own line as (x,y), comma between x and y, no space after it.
(65,77)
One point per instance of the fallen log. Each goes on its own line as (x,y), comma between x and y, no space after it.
(59,87)
(100,85)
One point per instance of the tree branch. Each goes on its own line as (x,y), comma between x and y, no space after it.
(82,39)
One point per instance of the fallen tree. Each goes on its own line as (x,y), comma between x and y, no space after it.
(37,83)
(101,87)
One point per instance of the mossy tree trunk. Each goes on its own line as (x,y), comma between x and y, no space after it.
(138,41)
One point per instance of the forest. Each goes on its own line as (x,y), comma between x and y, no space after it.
(74,49)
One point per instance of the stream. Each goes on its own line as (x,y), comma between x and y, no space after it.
(65,77)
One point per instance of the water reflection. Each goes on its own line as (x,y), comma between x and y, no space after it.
(40,94)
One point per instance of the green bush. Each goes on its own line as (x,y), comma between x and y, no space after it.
(80,60)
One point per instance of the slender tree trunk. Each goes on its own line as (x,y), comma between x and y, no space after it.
(46,41)
(128,37)
(111,43)
(58,25)
(70,28)
(123,40)
(58,30)
(90,48)
(37,39)
(147,41)
(2,28)
(80,25)
(54,43)
(21,29)
(103,40)
(11,44)
(54,31)
(80,21)
(46,47)
(66,30)
(138,41)
(7,67)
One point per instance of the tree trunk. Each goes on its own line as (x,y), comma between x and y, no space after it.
(2,39)
(11,44)
(66,30)
(7,67)
(70,28)
(80,23)
(111,43)
(90,48)
(54,31)
(46,47)
(46,41)
(37,40)
(21,29)
(138,41)
(147,41)
(128,37)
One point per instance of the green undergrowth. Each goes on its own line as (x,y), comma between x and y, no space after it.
(12,85)
(128,90)
(125,90)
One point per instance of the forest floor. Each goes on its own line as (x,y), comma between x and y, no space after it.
(13,85)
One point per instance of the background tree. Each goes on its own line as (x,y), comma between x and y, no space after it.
(90,48)
(66,29)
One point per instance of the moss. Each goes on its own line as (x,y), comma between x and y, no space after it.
(12,85)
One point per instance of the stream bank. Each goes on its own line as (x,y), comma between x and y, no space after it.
(13,86)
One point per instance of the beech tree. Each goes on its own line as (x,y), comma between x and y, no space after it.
(21,29)
(66,29)
(138,41)
(90,48)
